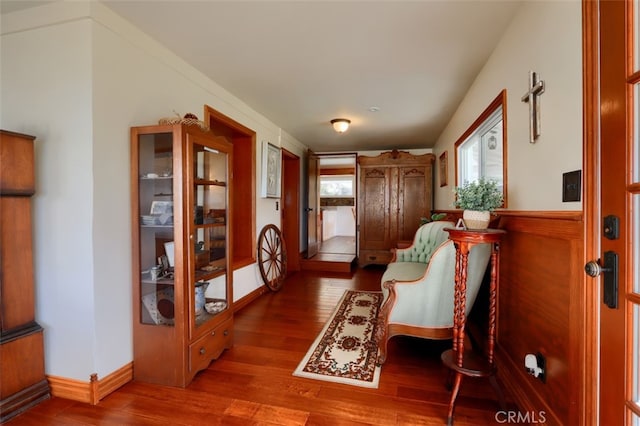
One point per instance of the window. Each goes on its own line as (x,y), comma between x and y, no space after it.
(480,151)
(336,186)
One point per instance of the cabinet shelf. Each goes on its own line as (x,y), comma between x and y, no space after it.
(147,178)
(209,275)
(210,225)
(209,182)
(159,281)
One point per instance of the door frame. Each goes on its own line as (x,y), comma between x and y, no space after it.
(591,208)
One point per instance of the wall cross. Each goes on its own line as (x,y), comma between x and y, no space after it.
(532,97)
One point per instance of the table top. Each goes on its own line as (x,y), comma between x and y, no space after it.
(489,235)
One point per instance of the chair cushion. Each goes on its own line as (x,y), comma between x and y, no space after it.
(428,237)
(404,271)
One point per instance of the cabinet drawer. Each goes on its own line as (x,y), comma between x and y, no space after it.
(377,257)
(209,347)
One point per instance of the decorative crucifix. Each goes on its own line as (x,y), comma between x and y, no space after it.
(536,88)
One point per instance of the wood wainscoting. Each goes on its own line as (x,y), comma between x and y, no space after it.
(541,308)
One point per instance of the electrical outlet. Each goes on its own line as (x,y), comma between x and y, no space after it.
(542,364)
(536,365)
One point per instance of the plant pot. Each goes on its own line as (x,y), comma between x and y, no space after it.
(476,219)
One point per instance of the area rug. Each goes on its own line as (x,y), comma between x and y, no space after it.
(346,349)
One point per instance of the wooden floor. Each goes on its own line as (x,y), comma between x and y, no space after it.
(251,384)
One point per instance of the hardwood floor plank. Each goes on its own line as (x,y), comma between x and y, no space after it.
(252,383)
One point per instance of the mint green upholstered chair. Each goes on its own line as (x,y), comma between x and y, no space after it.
(418,287)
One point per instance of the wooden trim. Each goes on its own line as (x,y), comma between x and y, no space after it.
(590,344)
(211,113)
(540,214)
(241,263)
(24,400)
(395,158)
(113,381)
(337,171)
(633,188)
(92,391)
(248,298)
(243,172)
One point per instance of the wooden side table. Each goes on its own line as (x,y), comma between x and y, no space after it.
(469,363)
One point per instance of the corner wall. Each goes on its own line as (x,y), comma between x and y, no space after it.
(546,37)
(77,76)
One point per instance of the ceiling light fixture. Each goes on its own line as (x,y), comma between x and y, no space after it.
(340,125)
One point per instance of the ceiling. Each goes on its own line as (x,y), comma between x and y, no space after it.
(303,63)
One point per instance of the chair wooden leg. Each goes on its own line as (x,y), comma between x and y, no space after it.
(382,334)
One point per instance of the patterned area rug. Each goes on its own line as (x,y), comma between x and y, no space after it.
(346,349)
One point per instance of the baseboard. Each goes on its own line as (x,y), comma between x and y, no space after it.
(22,401)
(92,391)
(245,300)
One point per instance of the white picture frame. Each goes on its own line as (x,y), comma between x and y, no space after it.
(271,170)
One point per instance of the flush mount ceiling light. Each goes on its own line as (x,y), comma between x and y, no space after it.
(340,125)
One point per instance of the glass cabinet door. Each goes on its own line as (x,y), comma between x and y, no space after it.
(208,233)
(156,230)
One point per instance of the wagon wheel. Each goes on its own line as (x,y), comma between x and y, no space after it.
(272,257)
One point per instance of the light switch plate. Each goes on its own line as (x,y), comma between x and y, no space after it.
(571,186)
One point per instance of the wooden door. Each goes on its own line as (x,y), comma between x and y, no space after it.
(290,208)
(414,200)
(374,207)
(313,206)
(619,190)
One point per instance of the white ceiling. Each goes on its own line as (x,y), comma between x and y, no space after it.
(302,63)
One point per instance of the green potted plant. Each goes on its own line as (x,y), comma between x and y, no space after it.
(434,218)
(478,199)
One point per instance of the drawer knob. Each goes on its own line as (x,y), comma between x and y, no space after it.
(226,332)
(213,333)
(202,351)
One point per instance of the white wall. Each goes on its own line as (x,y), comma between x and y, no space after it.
(46,92)
(77,76)
(546,37)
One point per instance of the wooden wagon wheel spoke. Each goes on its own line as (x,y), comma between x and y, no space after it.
(272,257)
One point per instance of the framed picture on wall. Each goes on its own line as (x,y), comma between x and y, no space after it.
(271,165)
(443,168)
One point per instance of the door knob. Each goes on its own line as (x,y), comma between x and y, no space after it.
(609,269)
(594,269)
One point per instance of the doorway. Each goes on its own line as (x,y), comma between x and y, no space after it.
(337,203)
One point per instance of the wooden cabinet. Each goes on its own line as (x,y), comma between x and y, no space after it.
(182,281)
(22,378)
(395,192)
